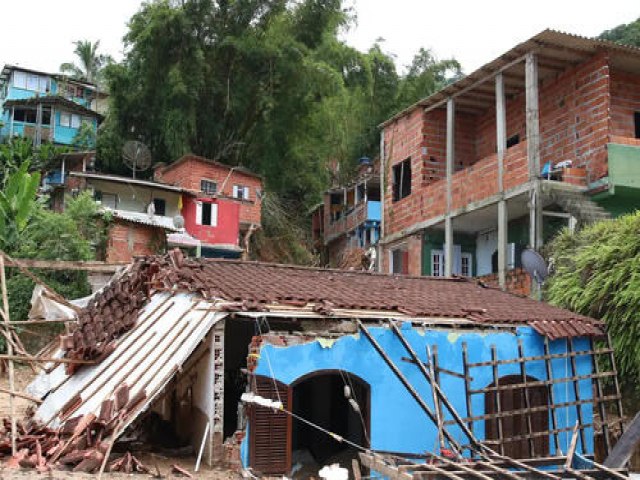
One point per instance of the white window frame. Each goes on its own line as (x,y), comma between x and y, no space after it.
(76,120)
(33,82)
(214,214)
(241,192)
(437,268)
(469,260)
(20,80)
(65,119)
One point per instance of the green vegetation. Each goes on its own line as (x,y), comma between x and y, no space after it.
(90,62)
(597,273)
(627,34)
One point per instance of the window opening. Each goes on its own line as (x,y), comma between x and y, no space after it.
(402,180)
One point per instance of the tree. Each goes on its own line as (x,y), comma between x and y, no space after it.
(91,63)
(596,274)
(626,34)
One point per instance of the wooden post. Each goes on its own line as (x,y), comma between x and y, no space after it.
(554,418)
(602,408)
(501,142)
(12,387)
(451,155)
(616,384)
(576,392)
(436,402)
(467,382)
(496,382)
(527,400)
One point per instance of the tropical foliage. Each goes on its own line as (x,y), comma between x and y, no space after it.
(267,84)
(89,62)
(627,34)
(597,274)
(17,205)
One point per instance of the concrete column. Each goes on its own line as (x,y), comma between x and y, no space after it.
(533,149)
(501,142)
(383,193)
(448,229)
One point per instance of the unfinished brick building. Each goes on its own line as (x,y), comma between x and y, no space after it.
(545,136)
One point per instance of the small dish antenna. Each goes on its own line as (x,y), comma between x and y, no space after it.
(535,266)
(136,156)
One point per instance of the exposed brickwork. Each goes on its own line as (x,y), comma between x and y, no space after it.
(190,170)
(127,240)
(625,100)
(574,125)
(517,281)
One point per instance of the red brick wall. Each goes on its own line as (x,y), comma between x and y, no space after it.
(413,245)
(625,100)
(517,281)
(127,240)
(574,124)
(192,169)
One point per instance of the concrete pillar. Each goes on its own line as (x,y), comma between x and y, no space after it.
(448,229)
(533,150)
(501,142)
(383,194)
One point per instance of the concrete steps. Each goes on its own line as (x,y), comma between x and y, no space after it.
(579,204)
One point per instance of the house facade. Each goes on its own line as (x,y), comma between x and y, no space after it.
(215,184)
(348,220)
(544,137)
(47,107)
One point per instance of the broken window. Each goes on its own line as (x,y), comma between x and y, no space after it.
(636,121)
(208,186)
(402,180)
(510,429)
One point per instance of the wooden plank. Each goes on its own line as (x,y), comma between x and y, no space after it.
(545,357)
(535,434)
(496,400)
(572,446)
(527,400)
(554,416)
(7,319)
(467,383)
(88,266)
(378,464)
(616,383)
(28,358)
(21,395)
(433,360)
(576,392)
(624,447)
(602,410)
(545,382)
(438,368)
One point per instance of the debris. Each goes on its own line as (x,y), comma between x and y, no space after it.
(263,402)
(334,472)
(178,470)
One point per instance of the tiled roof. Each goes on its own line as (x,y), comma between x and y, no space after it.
(253,286)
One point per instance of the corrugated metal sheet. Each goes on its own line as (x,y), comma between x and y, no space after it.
(168,330)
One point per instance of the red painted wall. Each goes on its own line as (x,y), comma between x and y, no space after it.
(228,225)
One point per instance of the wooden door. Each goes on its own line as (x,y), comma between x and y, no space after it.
(269,430)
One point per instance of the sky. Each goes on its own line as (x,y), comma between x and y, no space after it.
(474,32)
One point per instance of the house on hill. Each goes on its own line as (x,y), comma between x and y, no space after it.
(269,363)
(545,136)
(47,107)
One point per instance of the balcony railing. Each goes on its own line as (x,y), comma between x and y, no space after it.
(361,213)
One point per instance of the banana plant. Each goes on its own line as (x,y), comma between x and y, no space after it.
(17,204)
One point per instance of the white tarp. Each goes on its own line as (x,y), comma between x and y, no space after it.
(44,307)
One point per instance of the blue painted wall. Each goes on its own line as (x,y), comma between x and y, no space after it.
(397,422)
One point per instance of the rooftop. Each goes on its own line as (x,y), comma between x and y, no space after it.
(128,180)
(184,158)
(52,100)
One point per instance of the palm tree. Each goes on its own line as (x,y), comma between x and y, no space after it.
(90,62)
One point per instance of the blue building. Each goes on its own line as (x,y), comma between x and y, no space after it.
(46,107)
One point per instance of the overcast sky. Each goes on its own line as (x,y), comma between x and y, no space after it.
(39,33)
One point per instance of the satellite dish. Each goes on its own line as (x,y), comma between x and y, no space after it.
(136,156)
(178,222)
(535,265)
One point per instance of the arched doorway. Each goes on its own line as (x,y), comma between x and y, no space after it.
(335,400)
(338,402)
(515,426)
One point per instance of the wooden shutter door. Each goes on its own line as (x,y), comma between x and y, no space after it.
(270,431)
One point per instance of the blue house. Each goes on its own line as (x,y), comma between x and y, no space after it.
(46,107)
(283,369)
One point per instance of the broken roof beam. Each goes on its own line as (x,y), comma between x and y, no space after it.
(86,266)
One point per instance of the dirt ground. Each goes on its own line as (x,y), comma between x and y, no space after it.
(24,375)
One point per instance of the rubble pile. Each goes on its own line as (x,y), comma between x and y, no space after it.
(79,445)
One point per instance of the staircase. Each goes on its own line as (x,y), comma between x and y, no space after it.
(579,204)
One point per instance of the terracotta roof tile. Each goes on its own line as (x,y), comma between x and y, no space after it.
(252,285)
